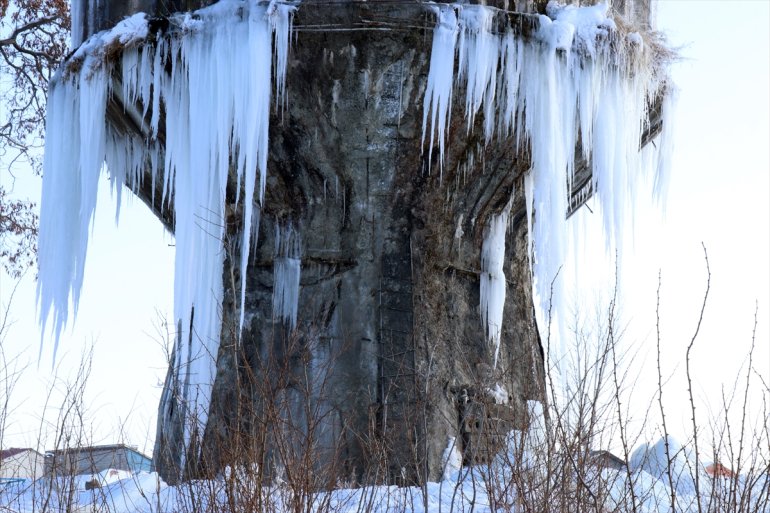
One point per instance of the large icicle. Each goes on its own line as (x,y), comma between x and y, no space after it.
(76,109)
(77,23)
(492,283)
(563,89)
(216,100)
(478,53)
(286,275)
(438,92)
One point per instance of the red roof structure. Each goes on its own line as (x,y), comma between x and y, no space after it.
(719,470)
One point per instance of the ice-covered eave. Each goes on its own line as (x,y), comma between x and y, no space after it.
(576,94)
(584,36)
(129,118)
(105,108)
(104,50)
(582,188)
(126,118)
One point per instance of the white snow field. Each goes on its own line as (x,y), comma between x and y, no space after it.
(514,481)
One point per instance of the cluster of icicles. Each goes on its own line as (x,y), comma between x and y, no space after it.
(216,118)
(212,77)
(565,95)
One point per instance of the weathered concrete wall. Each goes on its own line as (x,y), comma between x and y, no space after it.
(389,331)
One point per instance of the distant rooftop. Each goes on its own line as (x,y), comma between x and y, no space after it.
(7,453)
(107,447)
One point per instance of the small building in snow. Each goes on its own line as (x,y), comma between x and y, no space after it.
(605,459)
(20,463)
(92,460)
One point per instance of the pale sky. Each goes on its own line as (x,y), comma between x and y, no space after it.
(719,195)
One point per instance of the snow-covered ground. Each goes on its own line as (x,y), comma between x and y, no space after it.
(531,473)
(509,483)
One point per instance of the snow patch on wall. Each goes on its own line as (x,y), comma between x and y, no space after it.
(217,100)
(498,394)
(451,460)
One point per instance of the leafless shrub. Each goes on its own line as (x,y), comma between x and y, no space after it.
(272,463)
(555,466)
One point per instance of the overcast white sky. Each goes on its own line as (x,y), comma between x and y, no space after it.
(720,195)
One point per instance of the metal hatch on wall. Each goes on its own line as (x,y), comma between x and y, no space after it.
(582,182)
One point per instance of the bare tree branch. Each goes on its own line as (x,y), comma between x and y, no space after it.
(12,39)
(33,40)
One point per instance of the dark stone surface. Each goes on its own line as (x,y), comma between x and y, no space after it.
(389,317)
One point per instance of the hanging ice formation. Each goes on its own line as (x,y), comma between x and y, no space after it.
(212,126)
(286,272)
(492,279)
(578,88)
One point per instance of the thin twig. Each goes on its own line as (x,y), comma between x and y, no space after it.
(689,378)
